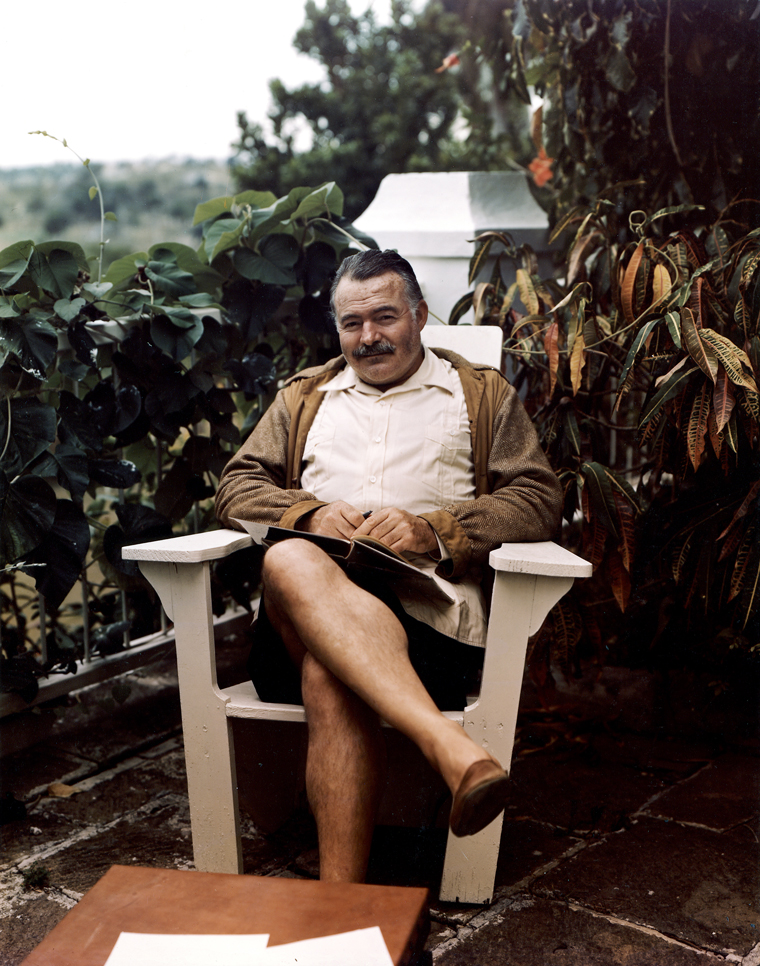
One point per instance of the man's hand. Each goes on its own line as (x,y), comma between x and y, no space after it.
(336,519)
(399,530)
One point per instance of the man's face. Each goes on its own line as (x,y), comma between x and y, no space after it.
(379,336)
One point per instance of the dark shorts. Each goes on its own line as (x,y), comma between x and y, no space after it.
(449,669)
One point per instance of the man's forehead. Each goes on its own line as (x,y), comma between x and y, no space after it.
(350,292)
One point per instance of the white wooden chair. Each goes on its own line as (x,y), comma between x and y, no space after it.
(529,579)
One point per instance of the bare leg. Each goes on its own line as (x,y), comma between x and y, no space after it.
(345,768)
(317,609)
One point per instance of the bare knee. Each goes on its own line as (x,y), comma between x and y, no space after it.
(290,560)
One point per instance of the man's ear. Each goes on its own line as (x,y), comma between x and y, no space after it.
(422,313)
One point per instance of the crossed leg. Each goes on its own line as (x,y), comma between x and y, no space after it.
(355,670)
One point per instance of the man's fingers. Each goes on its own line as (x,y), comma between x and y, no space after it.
(352,516)
(338,519)
(399,530)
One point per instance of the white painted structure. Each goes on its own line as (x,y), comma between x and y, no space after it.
(432,218)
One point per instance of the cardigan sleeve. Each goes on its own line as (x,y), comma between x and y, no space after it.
(253,485)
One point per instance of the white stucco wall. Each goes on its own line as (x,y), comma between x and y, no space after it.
(431,219)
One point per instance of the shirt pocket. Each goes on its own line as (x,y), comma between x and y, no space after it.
(447,456)
(317,454)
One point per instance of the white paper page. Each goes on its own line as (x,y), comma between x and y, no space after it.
(152,949)
(361,946)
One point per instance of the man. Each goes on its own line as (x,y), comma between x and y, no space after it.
(437,459)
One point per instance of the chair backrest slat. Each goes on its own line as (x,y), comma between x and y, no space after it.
(477,343)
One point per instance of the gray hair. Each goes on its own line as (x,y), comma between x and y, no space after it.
(370,264)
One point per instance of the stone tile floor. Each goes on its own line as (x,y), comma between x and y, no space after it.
(619,846)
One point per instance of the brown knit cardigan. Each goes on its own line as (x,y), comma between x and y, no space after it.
(517,497)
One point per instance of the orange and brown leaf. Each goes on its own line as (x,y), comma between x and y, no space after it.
(627,525)
(577,362)
(703,354)
(628,285)
(551,347)
(697,428)
(724,399)
(620,580)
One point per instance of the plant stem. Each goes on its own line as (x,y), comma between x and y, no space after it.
(86,163)
(8,434)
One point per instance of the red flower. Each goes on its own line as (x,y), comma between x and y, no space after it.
(541,168)
(451,61)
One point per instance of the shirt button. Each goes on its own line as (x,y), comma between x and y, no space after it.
(372,479)
(378,439)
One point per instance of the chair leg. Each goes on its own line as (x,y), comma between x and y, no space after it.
(209,750)
(470,866)
(519,607)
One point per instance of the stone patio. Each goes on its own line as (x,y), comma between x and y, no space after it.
(625,842)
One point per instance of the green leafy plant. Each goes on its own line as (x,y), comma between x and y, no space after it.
(122,399)
(641,372)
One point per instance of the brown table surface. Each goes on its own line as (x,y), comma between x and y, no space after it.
(134,899)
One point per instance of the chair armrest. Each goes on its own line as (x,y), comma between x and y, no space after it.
(193,548)
(544,559)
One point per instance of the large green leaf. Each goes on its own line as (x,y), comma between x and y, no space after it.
(274,266)
(78,421)
(124,269)
(327,198)
(12,272)
(56,272)
(76,252)
(32,430)
(81,341)
(137,524)
(213,209)
(220,206)
(317,267)
(19,251)
(253,373)
(27,511)
(63,551)
(223,234)
(118,474)
(166,275)
(176,336)
(68,464)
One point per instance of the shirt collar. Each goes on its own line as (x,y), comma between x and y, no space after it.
(432,372)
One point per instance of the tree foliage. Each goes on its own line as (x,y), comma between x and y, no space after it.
(663,93)
(386,105)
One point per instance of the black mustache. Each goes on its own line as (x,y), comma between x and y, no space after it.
(376,349)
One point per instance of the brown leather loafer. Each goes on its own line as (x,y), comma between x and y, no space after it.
(481,795)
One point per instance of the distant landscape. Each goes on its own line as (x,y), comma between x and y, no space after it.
(153,202)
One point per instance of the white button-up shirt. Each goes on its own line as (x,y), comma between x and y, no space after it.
(407,447)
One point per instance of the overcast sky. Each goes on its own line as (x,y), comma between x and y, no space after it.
(127,81)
